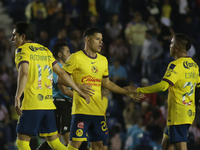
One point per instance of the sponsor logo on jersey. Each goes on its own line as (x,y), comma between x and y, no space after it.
(189,112)
(80,125)
(91,80)
(188,65)
(48,97)
(93,62)
(79,132)
(40,97)
(33,48)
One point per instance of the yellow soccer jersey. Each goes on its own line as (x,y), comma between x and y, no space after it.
(183,76)
(105,103)
(38,91)
(87,70)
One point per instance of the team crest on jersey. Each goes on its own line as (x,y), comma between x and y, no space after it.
(79,132)
(94,69)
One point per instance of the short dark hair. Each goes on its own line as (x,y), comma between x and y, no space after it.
(184,40)
(91,31)
(58,47)
(25,28)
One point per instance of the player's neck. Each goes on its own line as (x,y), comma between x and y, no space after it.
(60,61)
(27,41)
(183,54)
(90,52)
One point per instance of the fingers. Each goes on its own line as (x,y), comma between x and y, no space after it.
(87,89)
(18,110)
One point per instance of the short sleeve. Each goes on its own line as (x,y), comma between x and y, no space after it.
(71,64)
(21,56)
(198,82)
(172,73)
(53,60)
(106,72)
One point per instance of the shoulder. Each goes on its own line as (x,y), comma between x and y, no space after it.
(22,49)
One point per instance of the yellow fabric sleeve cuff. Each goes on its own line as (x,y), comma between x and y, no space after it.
(159,87)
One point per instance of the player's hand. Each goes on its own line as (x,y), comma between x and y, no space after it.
(134,95)
(17,106)
(85,96)
(86,88)
(134,89)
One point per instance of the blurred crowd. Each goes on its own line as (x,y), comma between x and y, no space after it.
(136,36)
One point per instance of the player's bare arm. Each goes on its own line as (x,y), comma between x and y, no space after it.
(86,88)
(116,89)
(65,90)
(67,81)
(21,84)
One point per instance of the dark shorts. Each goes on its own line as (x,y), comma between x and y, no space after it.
(33,121)
(63,115)
(177,133)
(94,126)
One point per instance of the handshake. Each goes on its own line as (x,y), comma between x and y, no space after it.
(132,93)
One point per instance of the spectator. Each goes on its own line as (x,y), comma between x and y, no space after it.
(191,52)
(190,27)
(118,50)
(61,37)
(154,8)
(129,114)
(56,24)
(77,40)
(166,9)
(153,26)
(43,38)
(151,51)
(53,6)
(3,144)
(196,132)
(134,133)
(117,71)
(135,34)
(113,28)
(94,22)
(149,99)
(36,14)
(74,10)
(166,34)
(6,50)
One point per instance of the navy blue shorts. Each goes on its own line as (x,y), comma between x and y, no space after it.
(94,126)
(34,121)
(177,133)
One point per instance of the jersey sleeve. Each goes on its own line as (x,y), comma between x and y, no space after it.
(198,82)
(21,56)
(172,73)
(106,72)
(71,64)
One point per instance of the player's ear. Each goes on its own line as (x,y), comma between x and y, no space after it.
(23,37)
(87,40)
(59,54)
